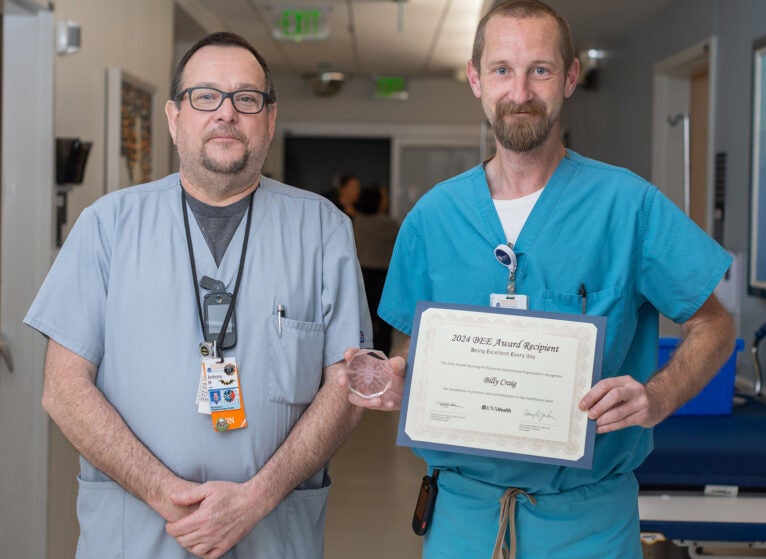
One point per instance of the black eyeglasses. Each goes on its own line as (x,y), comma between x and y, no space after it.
(247,101)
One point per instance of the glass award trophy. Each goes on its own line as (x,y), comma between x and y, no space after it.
(369,373)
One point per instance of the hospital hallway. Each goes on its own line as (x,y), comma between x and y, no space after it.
(375,485)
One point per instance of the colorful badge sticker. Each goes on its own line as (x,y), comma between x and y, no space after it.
(224,395)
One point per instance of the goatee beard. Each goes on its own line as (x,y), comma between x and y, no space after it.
(525,134)
(228,168)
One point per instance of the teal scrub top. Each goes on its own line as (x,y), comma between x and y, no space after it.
(602,226)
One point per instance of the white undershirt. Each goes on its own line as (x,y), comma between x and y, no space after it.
(514,213)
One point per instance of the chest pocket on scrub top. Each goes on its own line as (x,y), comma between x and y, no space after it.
(608,302)
(295,360)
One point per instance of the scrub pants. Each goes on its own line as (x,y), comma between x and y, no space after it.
(599,520)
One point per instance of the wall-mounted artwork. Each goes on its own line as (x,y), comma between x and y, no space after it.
(128,130)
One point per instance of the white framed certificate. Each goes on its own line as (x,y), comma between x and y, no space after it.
(502,382)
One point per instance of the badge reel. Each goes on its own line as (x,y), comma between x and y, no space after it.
(369,373)
(510,299)
(216,305)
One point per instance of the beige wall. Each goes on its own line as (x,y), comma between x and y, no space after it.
(439,101)
(136,36)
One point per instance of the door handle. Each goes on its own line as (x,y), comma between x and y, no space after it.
(673,121)
(5,352)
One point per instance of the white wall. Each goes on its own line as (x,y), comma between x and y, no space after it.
(136,36)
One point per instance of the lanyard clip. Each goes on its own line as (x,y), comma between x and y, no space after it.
(217,352)
(510,287)
(506,257)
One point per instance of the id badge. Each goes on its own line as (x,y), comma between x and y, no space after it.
(504,300)
(224,395)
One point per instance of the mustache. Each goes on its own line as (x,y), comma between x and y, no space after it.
(534,108)
(222,131)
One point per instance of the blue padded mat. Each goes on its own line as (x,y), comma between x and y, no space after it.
(693,451)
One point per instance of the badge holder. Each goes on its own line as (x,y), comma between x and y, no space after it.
(222,393)
(510,299)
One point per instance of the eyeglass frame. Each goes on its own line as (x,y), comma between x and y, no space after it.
(268,98)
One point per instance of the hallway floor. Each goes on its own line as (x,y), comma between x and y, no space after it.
(375,485)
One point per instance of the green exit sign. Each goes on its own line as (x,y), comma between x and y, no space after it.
(300,23)
(391,87)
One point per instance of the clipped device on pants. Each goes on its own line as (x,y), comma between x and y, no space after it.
(424,508)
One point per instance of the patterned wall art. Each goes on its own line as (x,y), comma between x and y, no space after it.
(129,143)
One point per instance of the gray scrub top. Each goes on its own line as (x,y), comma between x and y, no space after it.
(120,294)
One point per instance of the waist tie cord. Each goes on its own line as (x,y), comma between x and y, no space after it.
(508,519)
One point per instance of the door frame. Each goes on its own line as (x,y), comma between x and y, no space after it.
(404,134)
(27,241)
(672,87)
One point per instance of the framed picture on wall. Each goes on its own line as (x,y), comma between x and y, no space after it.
(757,271)
(128,130)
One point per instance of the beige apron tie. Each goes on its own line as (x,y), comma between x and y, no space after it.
(508,519)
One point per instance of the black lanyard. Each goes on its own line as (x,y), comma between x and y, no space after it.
(230,310)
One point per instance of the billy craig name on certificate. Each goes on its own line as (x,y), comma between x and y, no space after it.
(502,382)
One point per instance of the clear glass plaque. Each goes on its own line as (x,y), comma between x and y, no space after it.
(369,373)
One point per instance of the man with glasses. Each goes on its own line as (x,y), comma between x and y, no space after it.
(213,279)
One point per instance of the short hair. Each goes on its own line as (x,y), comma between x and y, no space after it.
(524,9)
(369,200)
(221,39)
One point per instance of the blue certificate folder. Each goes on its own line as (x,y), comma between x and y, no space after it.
(585,461)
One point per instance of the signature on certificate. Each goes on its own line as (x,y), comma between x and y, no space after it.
(540,416)
(448,405)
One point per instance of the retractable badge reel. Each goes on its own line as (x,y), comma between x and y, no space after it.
(510,299)
(507,258)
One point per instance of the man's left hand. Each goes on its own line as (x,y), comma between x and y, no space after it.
(223,518)
(619,402)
